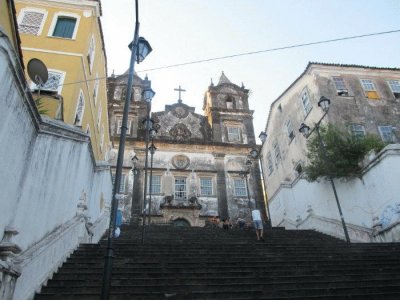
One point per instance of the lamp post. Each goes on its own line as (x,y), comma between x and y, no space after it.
(243,174)
(148,126)
(306,131)
(255,154)
(152,150)
(140,48)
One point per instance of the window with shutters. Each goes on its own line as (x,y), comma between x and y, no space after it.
(64,25)
(369,89)
(80,108)
(31,21)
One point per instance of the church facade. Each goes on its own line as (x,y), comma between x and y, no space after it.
(201,166)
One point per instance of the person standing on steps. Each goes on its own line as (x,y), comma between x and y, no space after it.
(258,224)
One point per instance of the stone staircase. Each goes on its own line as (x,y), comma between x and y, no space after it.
(211,263)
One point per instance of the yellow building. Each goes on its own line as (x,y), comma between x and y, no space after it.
(67,37)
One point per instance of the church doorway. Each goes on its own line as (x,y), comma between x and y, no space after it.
(181,223)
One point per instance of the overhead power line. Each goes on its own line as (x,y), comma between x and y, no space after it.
(271,50)
(255,52)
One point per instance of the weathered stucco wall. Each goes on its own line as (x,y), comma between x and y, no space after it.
(367,202)
(53,193)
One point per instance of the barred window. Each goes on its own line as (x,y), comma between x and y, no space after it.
(31,22)
(240,189)
(53,83)
(206,186)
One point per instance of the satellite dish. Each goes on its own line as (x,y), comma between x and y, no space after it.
(37,71)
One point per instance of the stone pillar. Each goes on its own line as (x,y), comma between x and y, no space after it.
(221,185)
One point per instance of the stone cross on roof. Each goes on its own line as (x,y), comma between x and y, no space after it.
(180,90)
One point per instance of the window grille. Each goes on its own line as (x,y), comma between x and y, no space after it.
(52,84)
(31,22)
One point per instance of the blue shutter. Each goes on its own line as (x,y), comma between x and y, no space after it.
(65,27)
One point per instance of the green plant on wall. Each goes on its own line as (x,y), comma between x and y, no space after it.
(344,153)
(40,106)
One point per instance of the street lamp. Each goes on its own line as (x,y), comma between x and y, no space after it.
(243,174)
(255,154)
(307,131)
(140,48)
(152,150)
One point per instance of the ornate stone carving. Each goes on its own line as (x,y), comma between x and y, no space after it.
(180,161)
(192,203)
(180,132)
(180,112)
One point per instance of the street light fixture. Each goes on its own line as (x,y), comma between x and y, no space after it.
(140,48)
(255,154)
(324,103)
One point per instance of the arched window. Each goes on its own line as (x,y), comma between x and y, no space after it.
(80,108)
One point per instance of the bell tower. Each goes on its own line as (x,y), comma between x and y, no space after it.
(227,109)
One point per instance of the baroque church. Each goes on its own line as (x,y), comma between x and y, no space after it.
(200,164)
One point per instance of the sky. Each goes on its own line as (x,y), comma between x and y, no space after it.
(182,31)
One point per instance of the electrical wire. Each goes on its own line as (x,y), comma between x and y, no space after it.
(257,52)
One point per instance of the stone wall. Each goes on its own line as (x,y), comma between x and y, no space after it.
(54,194)
(370,204)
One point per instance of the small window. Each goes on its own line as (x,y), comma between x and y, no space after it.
(270,164)
(280,108)
(277,151)
(229,103)
(65,27)
(53,85)
(233,134)
(99,112)
(80,108)
(305,100)
(102,138)
(31,21)
(289,129)
(357,130)
(240,189)
(206,186)
(155,184)
(119,124)
(180,188)
(122,183)
(386,133)
(299,169)
(341,88)
(395,87)
(369,89)
(88,129)
(90,55)
(96,88)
